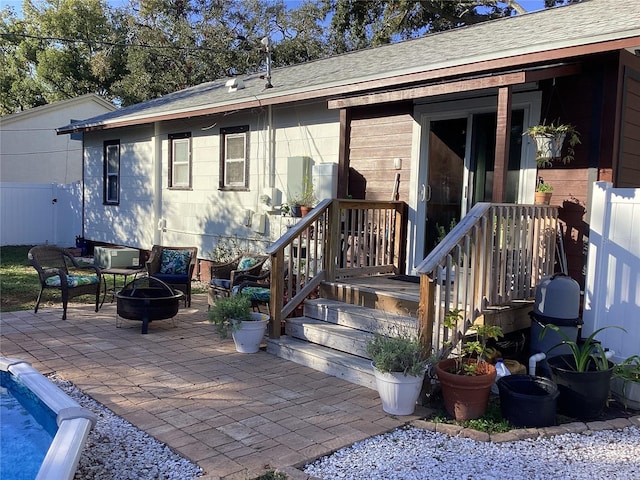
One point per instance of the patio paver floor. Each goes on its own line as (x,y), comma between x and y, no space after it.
(236,415)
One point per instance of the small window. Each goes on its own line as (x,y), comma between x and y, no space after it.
(180,160)
(234,164)
(111,180)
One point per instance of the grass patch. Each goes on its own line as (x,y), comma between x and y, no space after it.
(271,475)
(19,284)
(490,422)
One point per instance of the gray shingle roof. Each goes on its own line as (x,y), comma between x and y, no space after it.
(589,22)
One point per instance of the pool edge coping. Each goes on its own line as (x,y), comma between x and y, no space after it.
(74,422)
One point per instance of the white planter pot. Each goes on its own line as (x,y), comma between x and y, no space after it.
(399,393)
(627,392)
(249,336)
(549,146)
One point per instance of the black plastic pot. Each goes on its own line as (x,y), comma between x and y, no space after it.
(527,401)
(583,395)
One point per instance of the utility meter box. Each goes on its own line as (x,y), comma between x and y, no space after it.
(116,257)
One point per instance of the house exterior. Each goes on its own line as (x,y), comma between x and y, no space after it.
(41,173)
(442,115)
(32,152)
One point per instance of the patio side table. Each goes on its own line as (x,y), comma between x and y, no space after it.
(125,272)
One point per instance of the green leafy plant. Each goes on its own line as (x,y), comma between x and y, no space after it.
(397,354)
(467,347)
(585,353)
(544,187)
(306,197)
(558,132)
(227,313)
(628,369)
(226,249)
(442,230)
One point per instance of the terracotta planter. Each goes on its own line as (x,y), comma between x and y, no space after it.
(304,210)
(543,198)
(465,397)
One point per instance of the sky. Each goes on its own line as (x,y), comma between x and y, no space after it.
(529,5)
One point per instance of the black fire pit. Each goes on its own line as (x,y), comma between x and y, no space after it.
(147,299)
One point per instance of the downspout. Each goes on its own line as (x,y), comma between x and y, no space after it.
(157,185)
(271,154)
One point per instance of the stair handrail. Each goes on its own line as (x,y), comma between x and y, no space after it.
(496,254)
(336,239)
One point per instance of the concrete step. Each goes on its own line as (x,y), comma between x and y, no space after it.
(353,369)
(358,317)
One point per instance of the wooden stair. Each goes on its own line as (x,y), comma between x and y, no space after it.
(332,335)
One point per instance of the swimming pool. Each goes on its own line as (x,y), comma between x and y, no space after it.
(64,424)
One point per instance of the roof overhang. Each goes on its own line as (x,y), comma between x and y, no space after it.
(506,70)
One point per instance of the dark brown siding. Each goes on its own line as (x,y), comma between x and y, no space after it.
(378,136)
(628,172)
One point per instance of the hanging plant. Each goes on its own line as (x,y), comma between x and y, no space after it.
(550,140)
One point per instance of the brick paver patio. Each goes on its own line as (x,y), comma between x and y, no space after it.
(236,415)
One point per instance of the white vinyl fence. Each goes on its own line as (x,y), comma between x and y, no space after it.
(38,213)
(612,287)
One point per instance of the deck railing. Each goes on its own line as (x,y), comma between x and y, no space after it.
(337,239)
(496,254)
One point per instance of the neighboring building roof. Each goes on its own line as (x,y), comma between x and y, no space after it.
(602,25)
(62,104)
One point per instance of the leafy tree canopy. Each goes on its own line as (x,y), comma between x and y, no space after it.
(58,49)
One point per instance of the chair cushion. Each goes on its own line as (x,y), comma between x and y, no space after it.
(175,261)
(221,282)
(171,278)
(73,280)
(259,294)
(247,262)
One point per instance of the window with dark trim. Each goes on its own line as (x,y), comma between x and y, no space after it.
(234,158)
(180,160)
(111,179)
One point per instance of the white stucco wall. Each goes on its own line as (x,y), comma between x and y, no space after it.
(197,217)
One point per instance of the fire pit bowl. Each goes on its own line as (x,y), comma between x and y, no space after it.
(147,299)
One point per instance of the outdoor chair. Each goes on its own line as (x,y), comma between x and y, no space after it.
(58,269)
(224,276)
(174,266)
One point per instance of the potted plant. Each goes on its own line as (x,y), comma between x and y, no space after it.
(543,192)
(549,140)
(399,364)
(467,377)
(301,204)
(234,314)
(583,376)
(625,384)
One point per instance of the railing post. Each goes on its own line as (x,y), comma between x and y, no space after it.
(333,240)
(426,312)
(277,292)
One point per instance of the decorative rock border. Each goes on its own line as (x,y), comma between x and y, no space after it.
(526,433)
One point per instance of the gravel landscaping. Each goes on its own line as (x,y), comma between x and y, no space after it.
(415,454)
(117,450)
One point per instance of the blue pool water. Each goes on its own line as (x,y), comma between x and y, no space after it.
(27,428)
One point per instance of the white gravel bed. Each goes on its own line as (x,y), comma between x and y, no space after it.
(117,450)
(412,453)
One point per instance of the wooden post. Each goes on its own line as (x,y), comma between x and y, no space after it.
(426,313)
(503,138)
(277,292)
